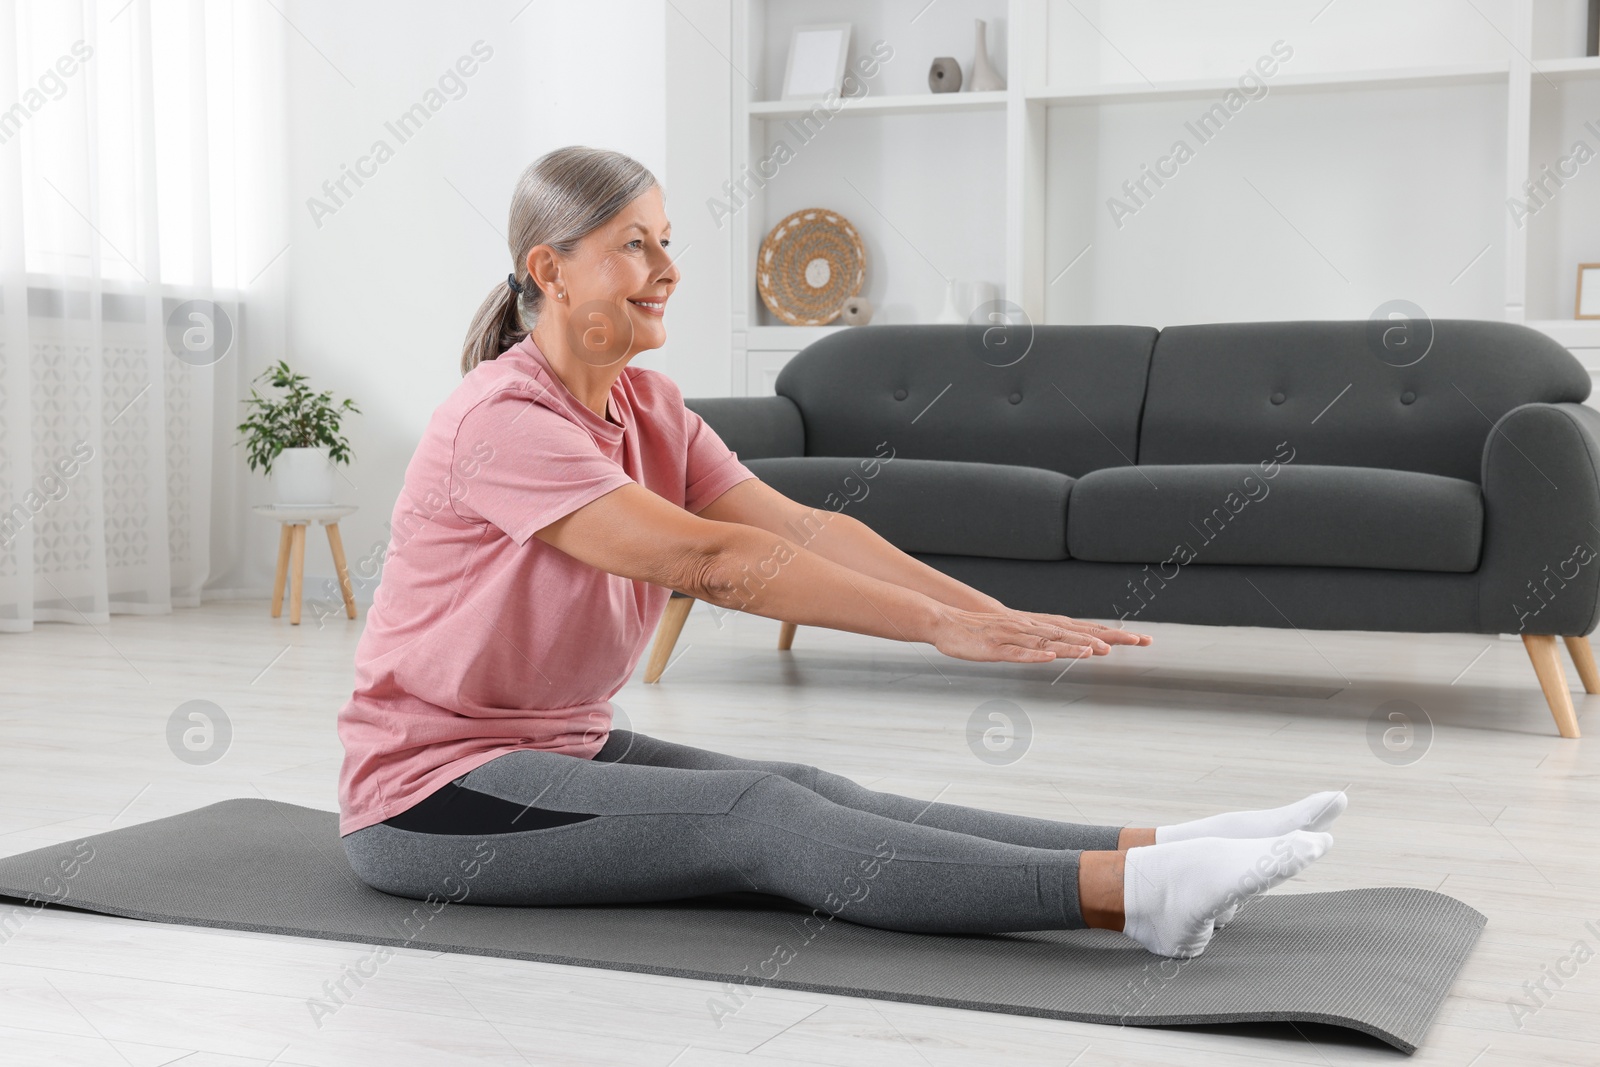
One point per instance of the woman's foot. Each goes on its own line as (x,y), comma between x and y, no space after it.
(1315,812)
(1173,893)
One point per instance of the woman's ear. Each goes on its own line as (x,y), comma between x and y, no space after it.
(544,268)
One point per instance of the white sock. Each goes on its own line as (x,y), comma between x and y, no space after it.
(1315,812)
(1226,915)
(1172,893)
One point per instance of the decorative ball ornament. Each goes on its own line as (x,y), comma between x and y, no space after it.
(857,311)
(809,266)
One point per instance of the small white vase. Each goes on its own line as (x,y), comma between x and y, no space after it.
(303,477)
(984,77)
(951,312)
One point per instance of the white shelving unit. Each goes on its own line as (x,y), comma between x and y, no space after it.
(1012,187)
(875,148)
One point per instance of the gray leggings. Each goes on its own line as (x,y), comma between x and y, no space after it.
(650,820)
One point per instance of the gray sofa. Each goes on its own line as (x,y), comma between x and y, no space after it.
(1237,474)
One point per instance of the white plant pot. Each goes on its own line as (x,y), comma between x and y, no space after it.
(303,477)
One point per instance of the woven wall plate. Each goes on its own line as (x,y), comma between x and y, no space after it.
(809,265)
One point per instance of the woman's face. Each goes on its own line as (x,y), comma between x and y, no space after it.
(617,283)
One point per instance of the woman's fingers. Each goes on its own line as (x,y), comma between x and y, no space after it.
(1019,654)
(1118,636)
(1032,653)
(1110,634)
(1061,640)
(1089,641)
(1030,637)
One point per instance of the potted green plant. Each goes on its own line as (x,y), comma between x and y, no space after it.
(293,436)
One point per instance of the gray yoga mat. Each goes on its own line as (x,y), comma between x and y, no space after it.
(1375,960)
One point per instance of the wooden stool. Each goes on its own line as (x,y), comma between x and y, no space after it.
(292,553)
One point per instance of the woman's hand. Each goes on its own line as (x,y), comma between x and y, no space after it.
(1111,635)
(1012,636)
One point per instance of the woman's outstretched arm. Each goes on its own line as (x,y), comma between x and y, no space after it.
(634,533)
(851,543)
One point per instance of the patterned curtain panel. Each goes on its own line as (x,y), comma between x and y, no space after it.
(128,237)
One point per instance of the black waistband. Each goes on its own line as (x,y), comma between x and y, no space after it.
(455,809)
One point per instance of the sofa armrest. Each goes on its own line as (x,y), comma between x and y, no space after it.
(755,427)
(1540,569)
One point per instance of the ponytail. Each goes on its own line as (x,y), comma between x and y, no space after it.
(560,198)
(496,327)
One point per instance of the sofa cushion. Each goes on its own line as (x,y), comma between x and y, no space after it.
(1285,514)
(1061,398)
(1231,392)
(936,506)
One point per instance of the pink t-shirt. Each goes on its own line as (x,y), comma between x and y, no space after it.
(481,638)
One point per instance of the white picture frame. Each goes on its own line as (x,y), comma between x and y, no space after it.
(816,62)
(1588,291)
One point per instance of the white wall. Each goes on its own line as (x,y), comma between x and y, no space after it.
(1308,203)
(381,292)
(1286,213)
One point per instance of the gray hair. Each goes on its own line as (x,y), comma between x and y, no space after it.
(562,197)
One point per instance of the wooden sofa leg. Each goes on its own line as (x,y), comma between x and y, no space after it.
(1583,659)
(1553,680)
(786,638)
(672,620)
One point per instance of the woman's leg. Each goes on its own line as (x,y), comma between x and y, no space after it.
(625,746)
(661,833)
(1101,875)
(614,832)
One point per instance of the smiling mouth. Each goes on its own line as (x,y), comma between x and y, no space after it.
(651,307)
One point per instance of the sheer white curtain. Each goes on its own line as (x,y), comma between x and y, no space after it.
(141,215)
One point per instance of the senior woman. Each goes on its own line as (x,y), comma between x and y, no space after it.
(556,499)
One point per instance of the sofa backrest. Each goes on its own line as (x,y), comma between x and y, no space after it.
(1232,392)
(1071,404)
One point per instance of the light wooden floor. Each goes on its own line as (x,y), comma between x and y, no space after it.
(1499,812)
